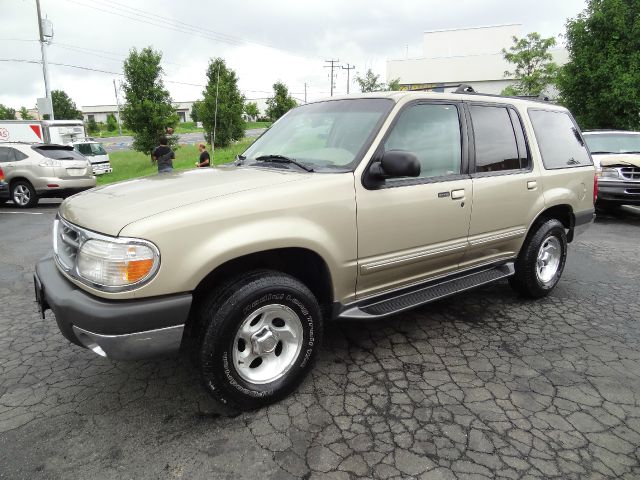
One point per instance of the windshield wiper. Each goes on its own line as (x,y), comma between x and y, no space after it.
(283,159)
(602,152)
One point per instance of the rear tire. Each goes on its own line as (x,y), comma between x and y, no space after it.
(541,260)
(23,194)
(262,334)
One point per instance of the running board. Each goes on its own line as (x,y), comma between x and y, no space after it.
(405,299)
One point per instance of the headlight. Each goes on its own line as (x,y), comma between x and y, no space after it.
(608,173)
(116,264)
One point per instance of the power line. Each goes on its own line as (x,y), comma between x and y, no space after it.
(150,18)
(80,67)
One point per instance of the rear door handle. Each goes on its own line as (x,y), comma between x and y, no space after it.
(457,194)
(532,185)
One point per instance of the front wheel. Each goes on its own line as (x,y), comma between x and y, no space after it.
(541,261)
(262,334)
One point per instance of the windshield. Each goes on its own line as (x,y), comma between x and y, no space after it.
(613,142)
(331,135)
(90,149)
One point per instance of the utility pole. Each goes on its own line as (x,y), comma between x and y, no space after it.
(215,120)
(305,92)
(332,66)
(115,90)
(43,49)
(347,68)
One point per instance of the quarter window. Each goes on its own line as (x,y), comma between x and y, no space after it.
(495,141)
(432,132)
(560,142)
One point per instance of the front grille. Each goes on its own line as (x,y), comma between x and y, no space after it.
(630,173)
(67,244)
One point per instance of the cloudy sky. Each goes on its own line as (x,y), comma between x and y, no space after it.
(264,41)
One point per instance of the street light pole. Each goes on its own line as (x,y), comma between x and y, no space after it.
(115,89)
(45,66)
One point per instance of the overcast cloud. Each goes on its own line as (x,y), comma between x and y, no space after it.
(305,33)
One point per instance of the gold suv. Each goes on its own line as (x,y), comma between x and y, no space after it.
(357,207)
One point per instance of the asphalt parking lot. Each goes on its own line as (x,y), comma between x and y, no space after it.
(484,385)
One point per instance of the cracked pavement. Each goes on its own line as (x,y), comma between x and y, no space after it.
(483,385)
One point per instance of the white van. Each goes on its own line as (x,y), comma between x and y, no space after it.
(57,132)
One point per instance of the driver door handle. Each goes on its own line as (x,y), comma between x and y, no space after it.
(457,194)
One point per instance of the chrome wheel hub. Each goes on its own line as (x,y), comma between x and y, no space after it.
(548,261)
(267,344)
(21,195)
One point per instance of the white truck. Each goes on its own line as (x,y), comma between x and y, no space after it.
(61,132)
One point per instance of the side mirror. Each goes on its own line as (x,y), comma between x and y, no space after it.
(395,163)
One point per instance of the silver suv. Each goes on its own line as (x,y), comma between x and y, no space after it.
(353,208)
(616,154)
(34,171)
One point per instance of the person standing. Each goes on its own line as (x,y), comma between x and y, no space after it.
(205,159)
(164,156)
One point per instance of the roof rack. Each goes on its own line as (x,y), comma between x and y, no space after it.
(466,89)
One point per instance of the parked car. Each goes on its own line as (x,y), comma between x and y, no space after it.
(95,153)
(616,154)
(34,171)
(404,198)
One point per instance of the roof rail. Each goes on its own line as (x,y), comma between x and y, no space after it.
(466,89)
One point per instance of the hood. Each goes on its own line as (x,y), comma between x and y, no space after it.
(617,159)
(110,208)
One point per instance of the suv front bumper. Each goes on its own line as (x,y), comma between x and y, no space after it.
(619,192)
(118,329)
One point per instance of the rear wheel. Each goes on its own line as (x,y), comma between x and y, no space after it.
(541,261)
(23,194)
(261,336)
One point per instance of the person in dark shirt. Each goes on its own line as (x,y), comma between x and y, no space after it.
(205,160)
(164,156)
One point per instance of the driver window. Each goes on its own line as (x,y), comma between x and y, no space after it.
(432,132)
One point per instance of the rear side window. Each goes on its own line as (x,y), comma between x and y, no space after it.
(19,155)
(59,153)
(496,146)
(559,140)
(6,155)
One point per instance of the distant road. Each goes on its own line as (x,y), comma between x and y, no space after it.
(115,144)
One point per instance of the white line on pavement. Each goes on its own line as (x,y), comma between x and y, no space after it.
(25,213)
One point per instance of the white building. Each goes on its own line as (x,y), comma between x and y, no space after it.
(100,112)
(463,55)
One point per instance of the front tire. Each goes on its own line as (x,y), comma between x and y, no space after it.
(262,334)
(541,261)
(23,194)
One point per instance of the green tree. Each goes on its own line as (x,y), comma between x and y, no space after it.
(534,68)
(370,82)
(223,84)
(7,113)
(280,103)
(92,126)
(24,114)
(394,85)
(148,109)
(195,111)
(601,82)
(251,109)
(63,107)
(112,123)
